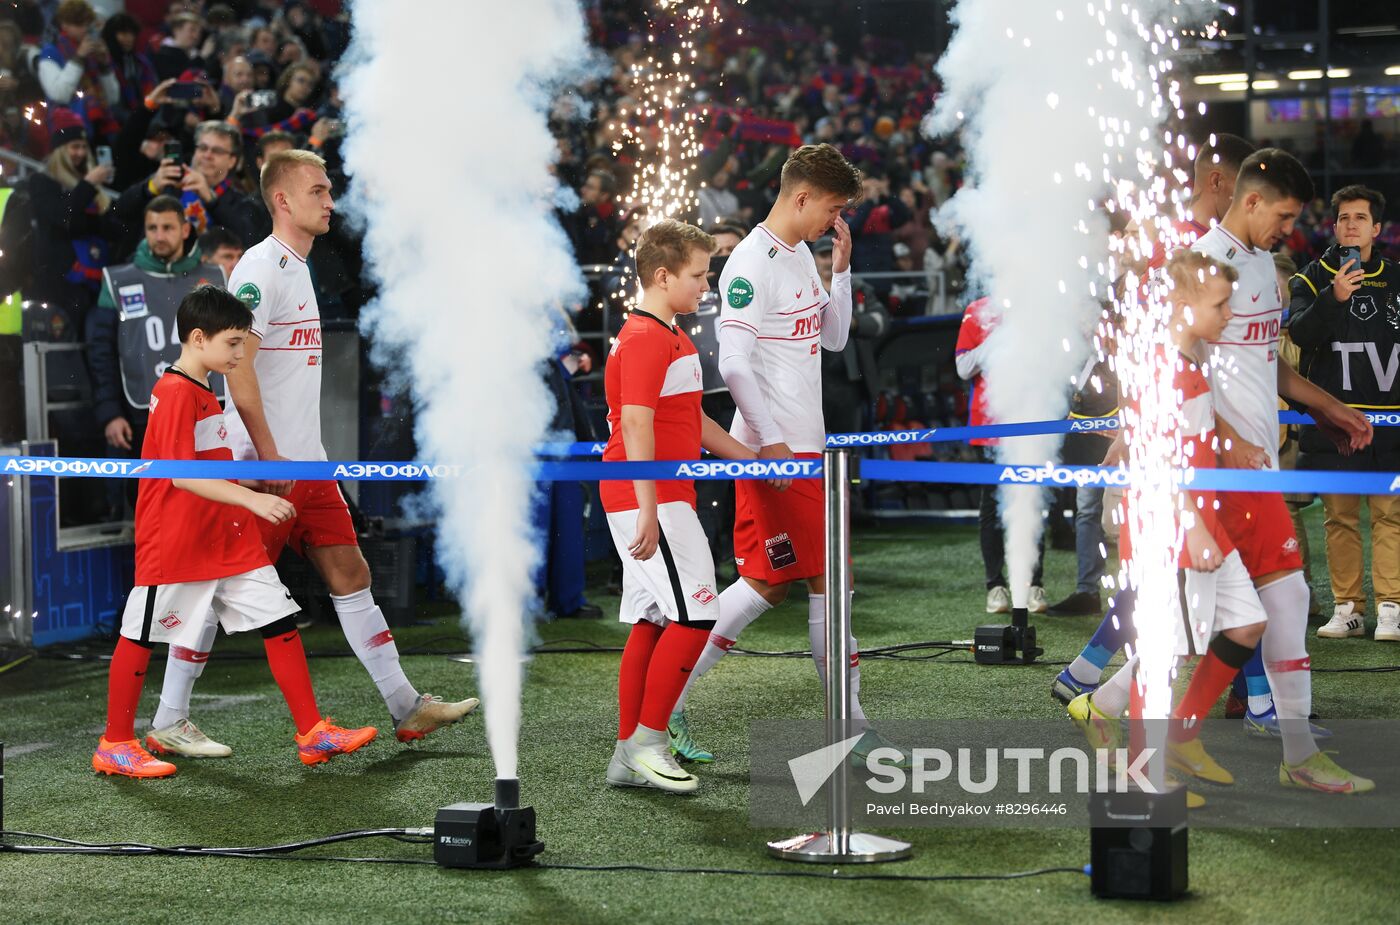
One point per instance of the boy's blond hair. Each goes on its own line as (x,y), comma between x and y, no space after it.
(1188,271)
(282,164)
(669,244)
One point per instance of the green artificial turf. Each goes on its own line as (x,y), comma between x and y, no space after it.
(915,583)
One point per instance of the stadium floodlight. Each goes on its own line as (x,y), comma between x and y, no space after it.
(1393,71)
(1208,79)
(1306,74)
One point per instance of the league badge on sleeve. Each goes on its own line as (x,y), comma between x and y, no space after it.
(250,295)
(740,293)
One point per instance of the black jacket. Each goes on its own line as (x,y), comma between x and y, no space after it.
(1350,350)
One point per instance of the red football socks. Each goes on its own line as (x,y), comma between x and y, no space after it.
(124,681)
(287,659)
(632,675)
(668,671)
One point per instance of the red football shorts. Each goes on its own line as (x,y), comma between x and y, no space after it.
(780,536)
(1262,531)
(322,519)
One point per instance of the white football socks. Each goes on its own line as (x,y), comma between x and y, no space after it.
(368,634)
(1111,697)
(816,634)
(739,605)
(182,668)
(1287,665)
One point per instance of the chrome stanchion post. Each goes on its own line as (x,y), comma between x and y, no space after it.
(838,844)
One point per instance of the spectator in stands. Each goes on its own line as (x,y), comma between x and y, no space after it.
(1345,317)
(850,376)
(268,145)
(592,227)
(19,90)
(238,76)
(140,144)
(288,113)
(221,246)
(265,43)
(76,70)
(717,200)
(180,52)
(71,227)
(206,188)
(136,73)
(727,237)
(872,227)
(977,324)
(126,351)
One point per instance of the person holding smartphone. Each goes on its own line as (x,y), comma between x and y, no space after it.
(1344,313)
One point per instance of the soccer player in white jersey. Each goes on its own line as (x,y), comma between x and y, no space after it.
(1246,380)
(276,415)
(775,320)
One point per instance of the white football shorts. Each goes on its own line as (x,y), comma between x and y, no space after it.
(177,613)
(678,581)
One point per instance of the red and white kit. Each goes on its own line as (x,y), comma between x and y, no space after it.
(1244,375)
(775,320)
(654,365)
(194,555)
(275,283)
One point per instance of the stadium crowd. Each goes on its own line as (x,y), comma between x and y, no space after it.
(153,118)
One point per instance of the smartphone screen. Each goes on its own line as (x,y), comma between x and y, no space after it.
(1354,255)
(104,155)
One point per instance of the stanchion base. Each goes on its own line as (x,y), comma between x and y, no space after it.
(861,849)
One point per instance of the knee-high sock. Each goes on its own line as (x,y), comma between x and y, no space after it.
(1212,675)
(632,675)
(739,605)
(1287,664)
(368,634)
(1252,684)
(816,633)
(1113,633)
(1112,696)
(124,679)
(668,670)
(182,668)
(287,658)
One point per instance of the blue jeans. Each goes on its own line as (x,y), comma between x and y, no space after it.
(1088,538)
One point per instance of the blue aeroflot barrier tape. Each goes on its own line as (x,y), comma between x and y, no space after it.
(1050,476)
(880,438)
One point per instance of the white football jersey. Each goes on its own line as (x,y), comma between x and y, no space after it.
(276,285)
(774,290)
(1244,362)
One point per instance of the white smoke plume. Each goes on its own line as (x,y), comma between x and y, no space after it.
(449,155)
(1057,107)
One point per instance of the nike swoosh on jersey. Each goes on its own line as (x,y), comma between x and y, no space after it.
(303,305)
(1255,298)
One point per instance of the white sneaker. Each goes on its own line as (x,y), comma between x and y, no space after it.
(184,738)
(1038,602)
(1388,622)
(1345,622)
(648,753)
(998,600)
(619,774)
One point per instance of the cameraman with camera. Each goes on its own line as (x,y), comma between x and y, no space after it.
(1345,316)
(206,187)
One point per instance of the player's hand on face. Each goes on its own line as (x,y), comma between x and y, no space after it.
(1241,454)
(1347,281)
(777,451)
(643,545)
(272,508)
(841,246)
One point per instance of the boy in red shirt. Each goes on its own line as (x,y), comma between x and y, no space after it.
(199,556)
(669,594)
